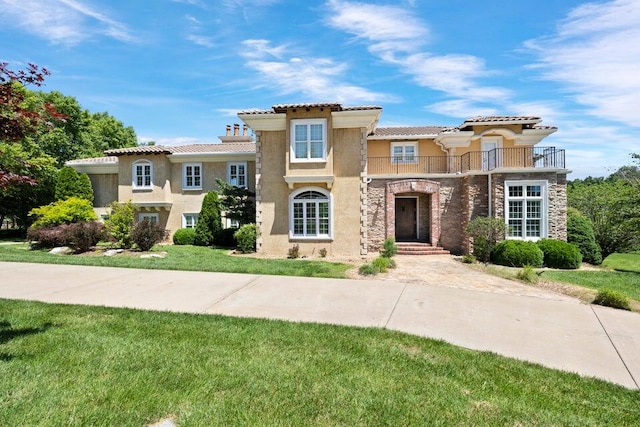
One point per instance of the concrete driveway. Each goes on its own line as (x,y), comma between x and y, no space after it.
(549,329)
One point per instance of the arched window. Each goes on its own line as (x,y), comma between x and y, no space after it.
(142,174)
(310,213)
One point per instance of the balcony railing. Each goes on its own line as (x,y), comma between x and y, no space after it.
(499,158)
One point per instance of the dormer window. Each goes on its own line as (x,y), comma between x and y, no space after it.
(142,174)
(309,140)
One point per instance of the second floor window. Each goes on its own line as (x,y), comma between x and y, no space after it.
(406,152)
(237,173)
(192,176)
(308,140)
(142,174)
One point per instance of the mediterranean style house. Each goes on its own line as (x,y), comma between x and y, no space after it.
(168,183)
(327,177)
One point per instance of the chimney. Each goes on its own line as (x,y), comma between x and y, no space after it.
(228,130)
(244,130)
(236,129)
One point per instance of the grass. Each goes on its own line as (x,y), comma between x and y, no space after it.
(188,258)
(77,365)
(624,276)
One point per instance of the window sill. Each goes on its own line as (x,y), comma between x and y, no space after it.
(141,189)
(192,189)
(293,238)
(308,160)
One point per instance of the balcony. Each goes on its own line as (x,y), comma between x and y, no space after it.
(483,161)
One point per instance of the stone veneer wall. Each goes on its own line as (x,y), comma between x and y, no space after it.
(475,196)
(556,198)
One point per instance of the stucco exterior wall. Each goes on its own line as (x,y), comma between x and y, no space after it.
(105,189)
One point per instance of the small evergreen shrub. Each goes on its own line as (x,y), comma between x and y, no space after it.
(614,299)
(485,232)
(72,184)
(145,234)
(294,252)
(517,253)
(559,254)
(323,253)
(468,259)
(184,236)
(121,222)
(381,264)
(527,274)
(580,233)
(209,220)
(246,237)
(367,270)
(389,248)
(225,238)
(73,209)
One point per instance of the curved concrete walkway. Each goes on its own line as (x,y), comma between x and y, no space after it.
(558,332)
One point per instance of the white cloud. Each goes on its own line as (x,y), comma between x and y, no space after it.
(314,78)
(62,21)
(201,40)
(595,55)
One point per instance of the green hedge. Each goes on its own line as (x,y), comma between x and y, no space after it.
(184,236)
(580,233)
(517,253)
(559,254)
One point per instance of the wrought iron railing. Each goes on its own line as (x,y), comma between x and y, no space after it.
(499,158)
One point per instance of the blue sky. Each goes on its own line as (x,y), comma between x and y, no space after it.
(179,70)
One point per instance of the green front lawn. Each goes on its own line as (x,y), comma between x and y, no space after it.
(188,258)
(624,276)
(77,365)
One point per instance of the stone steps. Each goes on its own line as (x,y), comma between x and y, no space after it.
(417,248)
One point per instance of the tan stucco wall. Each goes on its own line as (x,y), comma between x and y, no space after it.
(313,168)
(382,148)
(105,188)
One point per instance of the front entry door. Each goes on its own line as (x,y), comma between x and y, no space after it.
(406,219)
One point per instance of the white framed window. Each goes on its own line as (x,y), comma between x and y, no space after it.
(192,176)
(404,152)
(308,140)
(152,217)
(526,209)
(142,174)
(310,214)
(189,220)
(237,174)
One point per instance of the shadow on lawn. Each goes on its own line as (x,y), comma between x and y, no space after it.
(7,333)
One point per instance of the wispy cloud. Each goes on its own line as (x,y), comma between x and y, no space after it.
(595,56)
(201,40)
(396,37)
(62,21)
(313,78)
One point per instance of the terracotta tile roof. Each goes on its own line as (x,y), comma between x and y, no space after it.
(333,106)
(93,160)
(227,147)
(408,130)
(515,119)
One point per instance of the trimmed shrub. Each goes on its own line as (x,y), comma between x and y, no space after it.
(517,253)
(468,259)
(121,222)
(80,236)
(580,233)
(145,234)
(72,184)
(614,299)
(209,220)
(73,209)
(225,238)
(381,264)
(323,253)
(389,248)
(559,254)
(294,252)
(367,270)
(184,236)
(485,232)
(246,237)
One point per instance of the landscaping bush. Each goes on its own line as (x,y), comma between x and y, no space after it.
(80,236)
(184,236)
(225,238)
(121,222)
(485,232)
(145,234)
(323,253)
(367,270)
(527,274)
(580,233)
(559,254)
(468,259)
(389,248)
(73,209)
(72,184)
(614,299)
(381,264)
(517,253)
(294,252)
(209,221)
(246,238)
